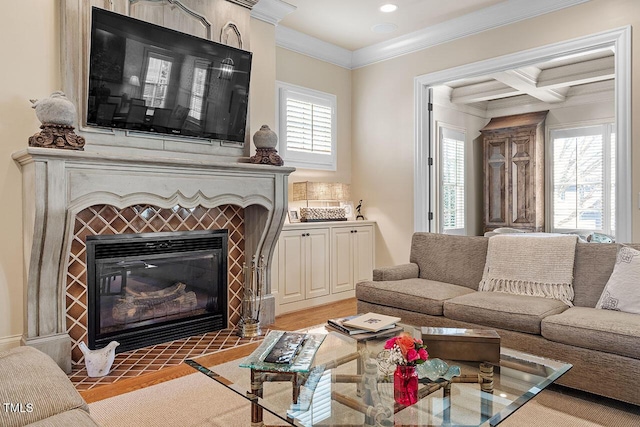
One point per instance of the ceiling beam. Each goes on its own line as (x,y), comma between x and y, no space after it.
(579,73)
(479,92)
(526,79)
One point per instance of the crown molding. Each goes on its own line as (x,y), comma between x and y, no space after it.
(311,46)
(498,15)
(271,11)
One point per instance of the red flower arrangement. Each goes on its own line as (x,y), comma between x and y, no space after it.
(406,350)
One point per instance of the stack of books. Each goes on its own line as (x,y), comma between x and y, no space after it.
(370,323)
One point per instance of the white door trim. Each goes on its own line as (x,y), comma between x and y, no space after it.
(619,38)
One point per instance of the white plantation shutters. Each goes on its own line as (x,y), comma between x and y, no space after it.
(452,154)
(307,127)
(582,175)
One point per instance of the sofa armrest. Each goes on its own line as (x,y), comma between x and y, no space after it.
(397,272)
(28,376)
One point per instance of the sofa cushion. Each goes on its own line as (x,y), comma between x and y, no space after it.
(593,266)
(505,311)
(397,272)
(419,295)
(458,260)
(29,376)
(603,330)
(622,291)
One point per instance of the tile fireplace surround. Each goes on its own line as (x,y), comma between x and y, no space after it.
(110,193)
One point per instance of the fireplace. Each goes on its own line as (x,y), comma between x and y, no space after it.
(70,195)
(145,289)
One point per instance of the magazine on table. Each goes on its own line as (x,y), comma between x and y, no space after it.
(286,348)
(371,322)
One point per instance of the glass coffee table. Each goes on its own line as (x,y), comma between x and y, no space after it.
(345,385)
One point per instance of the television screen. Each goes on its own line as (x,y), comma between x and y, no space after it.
(149,78)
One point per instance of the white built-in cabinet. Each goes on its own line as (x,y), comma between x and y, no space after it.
(319,263)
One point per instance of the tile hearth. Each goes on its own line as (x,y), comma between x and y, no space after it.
(149,359)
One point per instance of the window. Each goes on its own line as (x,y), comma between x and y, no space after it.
(197,90)
(156,80)
(583,179)
(307,127)
(452,153)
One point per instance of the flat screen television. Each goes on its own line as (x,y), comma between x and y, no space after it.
(149,78)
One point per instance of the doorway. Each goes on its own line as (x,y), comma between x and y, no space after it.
(510,67)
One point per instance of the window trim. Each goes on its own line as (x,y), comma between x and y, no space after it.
(296,158)
(610,124)
(440,126)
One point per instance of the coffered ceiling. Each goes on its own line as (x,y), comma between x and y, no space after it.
(550,82)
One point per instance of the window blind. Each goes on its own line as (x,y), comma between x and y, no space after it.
(452,153)
(309,127)
(582,179)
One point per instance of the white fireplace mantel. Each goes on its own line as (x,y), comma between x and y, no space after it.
(57,184)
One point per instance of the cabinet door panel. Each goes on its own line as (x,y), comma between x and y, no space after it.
(496,182)
(291,272)
(318,279)
(341,259)
(521,186)
(364,256)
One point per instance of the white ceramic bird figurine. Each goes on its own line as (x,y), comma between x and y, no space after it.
(57,109)
(98,362)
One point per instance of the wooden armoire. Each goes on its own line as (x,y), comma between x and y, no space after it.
(513,165)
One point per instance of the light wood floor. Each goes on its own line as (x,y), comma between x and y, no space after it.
(289,322)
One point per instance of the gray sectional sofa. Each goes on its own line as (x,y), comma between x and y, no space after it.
(438,288)
(34,391)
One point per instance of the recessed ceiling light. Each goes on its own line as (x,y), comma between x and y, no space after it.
(384,28)
(388,8)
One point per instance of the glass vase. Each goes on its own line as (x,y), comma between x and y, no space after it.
(405,385)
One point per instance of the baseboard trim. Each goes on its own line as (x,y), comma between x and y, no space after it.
(10,342)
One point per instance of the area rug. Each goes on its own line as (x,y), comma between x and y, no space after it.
(198,401)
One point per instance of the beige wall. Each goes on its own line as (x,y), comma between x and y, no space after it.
(302,70)
(262,104)
(383,110)
(29,46)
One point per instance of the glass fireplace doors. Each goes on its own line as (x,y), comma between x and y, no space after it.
(144,289)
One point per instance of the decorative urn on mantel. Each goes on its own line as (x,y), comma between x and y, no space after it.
(57,115)
(265,141)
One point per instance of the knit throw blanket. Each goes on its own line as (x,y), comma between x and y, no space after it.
(532,264)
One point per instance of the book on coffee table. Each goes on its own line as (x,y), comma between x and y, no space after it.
(338,324)
(372,322)
(368,335)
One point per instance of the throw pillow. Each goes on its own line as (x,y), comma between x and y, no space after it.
(622,291)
